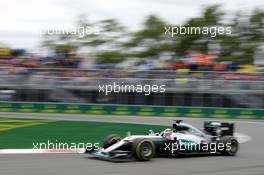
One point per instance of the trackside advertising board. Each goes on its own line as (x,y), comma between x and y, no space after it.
(139,110)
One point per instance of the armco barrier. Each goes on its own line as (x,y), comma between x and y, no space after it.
(101,109)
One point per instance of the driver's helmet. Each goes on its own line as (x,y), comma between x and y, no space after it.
(167,133)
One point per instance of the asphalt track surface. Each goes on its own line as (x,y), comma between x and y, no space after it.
(249,160)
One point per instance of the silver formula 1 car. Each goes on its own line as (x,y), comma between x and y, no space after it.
(181,138)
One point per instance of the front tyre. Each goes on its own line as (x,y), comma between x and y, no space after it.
(143,149)
(231,146)
(110,140)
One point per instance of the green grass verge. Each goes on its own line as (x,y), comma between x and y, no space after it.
(65,132)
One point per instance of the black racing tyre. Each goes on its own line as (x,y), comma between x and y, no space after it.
(110,140)
(143,149)
(231,145)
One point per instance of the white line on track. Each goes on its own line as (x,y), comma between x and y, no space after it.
(40,151)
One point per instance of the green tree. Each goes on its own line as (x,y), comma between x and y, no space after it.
(150,39)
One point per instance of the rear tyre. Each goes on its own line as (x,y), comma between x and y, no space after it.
(110,140)
(143,149)
(231,146)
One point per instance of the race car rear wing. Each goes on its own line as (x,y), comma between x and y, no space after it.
(219,128)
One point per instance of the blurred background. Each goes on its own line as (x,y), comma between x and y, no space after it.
(126,43)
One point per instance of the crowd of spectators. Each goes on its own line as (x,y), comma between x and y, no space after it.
(60,66)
